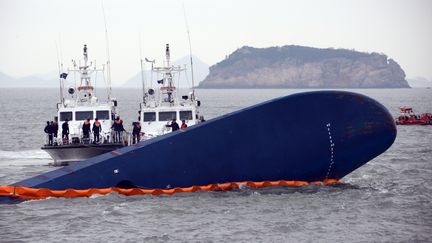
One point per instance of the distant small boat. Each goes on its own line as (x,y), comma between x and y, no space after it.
(408,117)
(77,105)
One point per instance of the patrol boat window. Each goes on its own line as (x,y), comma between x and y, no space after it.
(185,115)
(167,115)
(149,116)
(83,115)
(102,115)
(66,115)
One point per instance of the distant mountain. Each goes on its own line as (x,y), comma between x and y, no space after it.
(201,70)
(304,67)
(420,82)
(7,81)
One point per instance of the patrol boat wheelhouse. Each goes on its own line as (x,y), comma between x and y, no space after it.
(79,105)
(158,109)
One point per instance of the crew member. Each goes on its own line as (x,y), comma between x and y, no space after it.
(174,126)
(136,132)
(48,130)
(118,129)
(55,130)
(65,132)
(183,125)
(97,128)
(86,129)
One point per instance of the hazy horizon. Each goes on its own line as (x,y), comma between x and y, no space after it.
(31,30)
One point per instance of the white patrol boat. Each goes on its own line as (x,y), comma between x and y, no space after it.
(78,106)
(160,108)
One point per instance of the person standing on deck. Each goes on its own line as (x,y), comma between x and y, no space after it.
(48,130)
(183,125)
(97,129)
(118,129)
(174,126)
(52,132)
(55,130)
(86,129)
(65,132)
(136,132)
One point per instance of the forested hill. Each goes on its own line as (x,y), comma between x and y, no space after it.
(304,67)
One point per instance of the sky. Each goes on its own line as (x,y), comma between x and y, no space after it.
(35,34)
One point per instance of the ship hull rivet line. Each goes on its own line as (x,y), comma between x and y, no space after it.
(332,152)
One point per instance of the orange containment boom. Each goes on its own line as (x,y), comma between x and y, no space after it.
(26,193)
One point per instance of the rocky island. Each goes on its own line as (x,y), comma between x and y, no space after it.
(304,67)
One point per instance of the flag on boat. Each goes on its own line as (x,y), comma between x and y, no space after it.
(63,75)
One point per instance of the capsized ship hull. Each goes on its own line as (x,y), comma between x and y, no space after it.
(309,136)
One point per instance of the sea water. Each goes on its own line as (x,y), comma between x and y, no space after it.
(386,200)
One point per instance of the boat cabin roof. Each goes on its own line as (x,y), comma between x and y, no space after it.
(83,113)
(168,113)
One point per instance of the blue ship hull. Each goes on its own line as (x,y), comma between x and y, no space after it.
(309,136)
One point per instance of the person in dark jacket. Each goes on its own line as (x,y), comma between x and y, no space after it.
(136,132)
(48,130)
(52,132)
(65,132)
(86,129)
(97,129)
(118,129)
(55,131)
(174,126)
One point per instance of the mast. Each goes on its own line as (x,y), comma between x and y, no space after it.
(108,55)
(59,75)
(168,73)
(190,54)
(142,72)
(143,81)
(85,76)
(167,89)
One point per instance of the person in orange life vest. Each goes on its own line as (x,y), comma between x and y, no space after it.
(118,129)
(183,125)
(86,128)
(97,128)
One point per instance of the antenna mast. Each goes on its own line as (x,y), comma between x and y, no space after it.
(59,73)
(190,53)
(142,71)
(108,55)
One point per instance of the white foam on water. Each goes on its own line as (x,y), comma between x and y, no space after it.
(24,157)
(24,154)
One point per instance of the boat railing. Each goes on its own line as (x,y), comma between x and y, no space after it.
(127,138)
(122,137)
(55,140)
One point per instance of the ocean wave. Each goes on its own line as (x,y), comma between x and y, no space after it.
(24,155)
